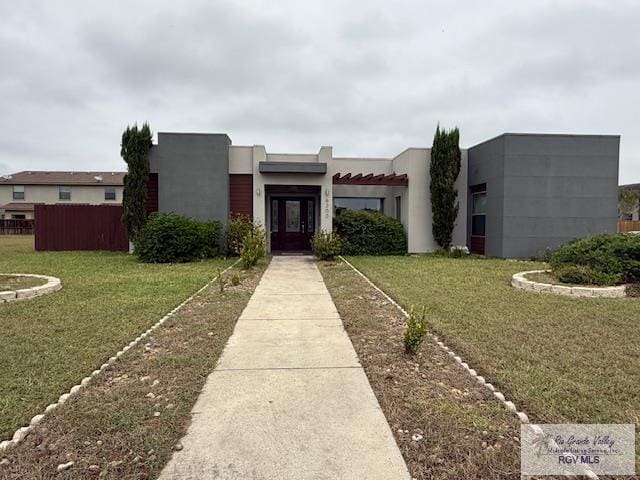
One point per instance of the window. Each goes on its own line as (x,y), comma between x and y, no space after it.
(310,216)
(274,216)
(18,192)
(357,203)
(18,216)
(64,193)
(399,208)
(109,193)
(478,213)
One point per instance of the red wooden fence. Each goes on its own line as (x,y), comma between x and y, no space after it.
(625,226)
(16,226)
(80,227)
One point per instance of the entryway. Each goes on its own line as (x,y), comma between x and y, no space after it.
(293,223)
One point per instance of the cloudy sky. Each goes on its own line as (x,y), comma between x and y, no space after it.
(370,78)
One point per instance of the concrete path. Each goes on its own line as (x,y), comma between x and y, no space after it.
(288,399)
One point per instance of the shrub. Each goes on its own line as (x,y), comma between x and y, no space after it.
(459,251)
(326,245)
(253,248)
(235,279)
(604,259)
(238,227)
(416,330)
(172,238)
(365,232)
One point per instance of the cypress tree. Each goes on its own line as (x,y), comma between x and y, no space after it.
(444,170)
(134,150)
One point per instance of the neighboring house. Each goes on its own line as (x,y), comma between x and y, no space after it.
(629,209)
(519,193)
(20,191)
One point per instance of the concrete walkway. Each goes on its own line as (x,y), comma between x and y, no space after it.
(288,399)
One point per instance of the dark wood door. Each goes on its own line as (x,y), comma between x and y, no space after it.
(292,223)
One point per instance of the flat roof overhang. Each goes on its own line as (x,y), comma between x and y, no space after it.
(312,168)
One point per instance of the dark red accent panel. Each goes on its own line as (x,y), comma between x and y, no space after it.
(477,245)
(80,227)
(152,193)
(241,194)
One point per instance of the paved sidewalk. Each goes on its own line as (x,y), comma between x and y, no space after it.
(288,399)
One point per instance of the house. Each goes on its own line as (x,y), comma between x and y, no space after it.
(20,191)
(519,193)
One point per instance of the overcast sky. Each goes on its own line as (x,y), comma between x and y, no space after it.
(370,78)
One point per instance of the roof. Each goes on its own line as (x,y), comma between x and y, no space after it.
(18,207)
(63,178)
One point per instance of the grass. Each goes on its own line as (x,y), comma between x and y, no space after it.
(12,282)
(50,343)
(560,359)
(128,421)
(465,432)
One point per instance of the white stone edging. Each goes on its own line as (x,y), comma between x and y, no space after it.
(522,417)
(53,285)
(21,433)
(520,281)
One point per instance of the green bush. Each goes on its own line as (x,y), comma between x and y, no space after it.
(416,330)
(253,248)
(238,227)
(365,232)
(326,245)
(172,238)
(605,259)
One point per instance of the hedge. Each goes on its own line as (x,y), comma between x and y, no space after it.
(605,259)
(172,238)
(366,232)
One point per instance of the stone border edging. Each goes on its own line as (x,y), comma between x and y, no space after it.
(53,285)
(21,433)
(518,280)
(522,417)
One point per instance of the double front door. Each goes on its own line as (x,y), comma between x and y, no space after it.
(292,223)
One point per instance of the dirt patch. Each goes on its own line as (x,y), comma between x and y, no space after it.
(446,425)
(16,282)
(128,420)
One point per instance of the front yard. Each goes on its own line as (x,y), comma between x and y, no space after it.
(560,359)
(50,343)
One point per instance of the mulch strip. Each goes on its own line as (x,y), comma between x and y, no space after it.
(446,425)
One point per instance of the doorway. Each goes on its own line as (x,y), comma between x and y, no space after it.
(292,223)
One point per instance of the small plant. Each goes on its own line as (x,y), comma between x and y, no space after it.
(416,330)
(253,248)
(221,281)
(235,279)
(238,227)
(458,251)
(326,245)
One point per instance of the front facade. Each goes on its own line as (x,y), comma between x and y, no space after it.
(21,191)
(509,190)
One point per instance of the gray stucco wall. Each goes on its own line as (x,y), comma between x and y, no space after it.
(193,174)
(554,188)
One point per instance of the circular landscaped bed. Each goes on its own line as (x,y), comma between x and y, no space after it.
(542,281)
(22,286)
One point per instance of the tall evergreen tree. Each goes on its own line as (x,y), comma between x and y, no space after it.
(444,170)
(134,149)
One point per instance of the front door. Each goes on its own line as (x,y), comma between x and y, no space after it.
(292,223)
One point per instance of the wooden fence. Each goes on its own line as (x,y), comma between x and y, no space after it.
(628,226)
(16,227)
(80,227)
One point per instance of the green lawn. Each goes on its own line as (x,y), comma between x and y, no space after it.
(560,359)
(50,343)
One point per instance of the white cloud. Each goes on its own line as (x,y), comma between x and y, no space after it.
(369,77)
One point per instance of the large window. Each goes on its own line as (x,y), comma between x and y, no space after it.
(109,193)
(18,192)
(399,208)
(64,193)
(357,203)
(478,213)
